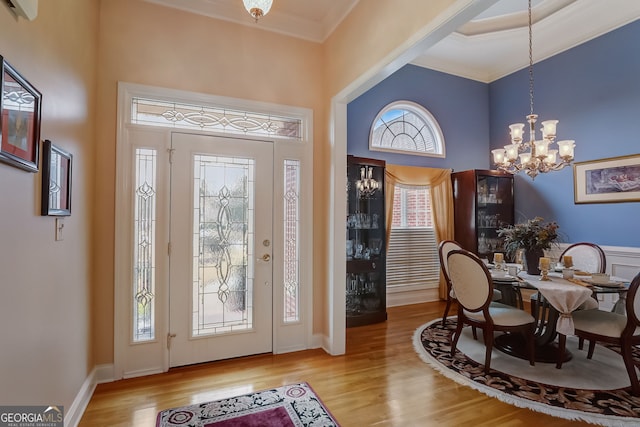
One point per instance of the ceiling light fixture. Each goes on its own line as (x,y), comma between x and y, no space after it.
(535,156)
(367,185)
(257,8)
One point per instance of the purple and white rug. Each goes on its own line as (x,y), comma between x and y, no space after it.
(596,391)
(288,406)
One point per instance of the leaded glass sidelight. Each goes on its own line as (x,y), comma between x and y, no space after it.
(223,235)
(144,248)
(291,241)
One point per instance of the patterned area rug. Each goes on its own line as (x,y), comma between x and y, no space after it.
(289,406)
(610,407)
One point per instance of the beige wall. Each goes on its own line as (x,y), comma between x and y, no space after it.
(372,31)
(45,285)
(180,50)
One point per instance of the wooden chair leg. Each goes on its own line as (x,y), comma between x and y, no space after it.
(487,334)
(535,308)
(475,333)
(446,310)
(562,343)
(531,344)
(519,300)
(580,343)
(592,346)
(627,356)
(456,335)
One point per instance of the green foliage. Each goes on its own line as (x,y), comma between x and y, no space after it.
(533,234)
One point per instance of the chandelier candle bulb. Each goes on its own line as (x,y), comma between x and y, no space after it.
(549,129)
(542,148)
(551,157)
(512,151)
(565,148)
(498,155)
(517,130)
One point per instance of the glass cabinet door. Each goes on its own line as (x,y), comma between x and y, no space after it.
(365,242)
(494,210)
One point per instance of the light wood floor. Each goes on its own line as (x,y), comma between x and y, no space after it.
(379,382)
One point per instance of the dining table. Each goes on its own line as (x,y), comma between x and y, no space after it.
(557,299)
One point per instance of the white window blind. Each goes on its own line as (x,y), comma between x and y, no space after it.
(412,258)
(412,255)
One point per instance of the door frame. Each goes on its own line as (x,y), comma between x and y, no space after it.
(150,357)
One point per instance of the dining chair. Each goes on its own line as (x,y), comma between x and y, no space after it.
(614,328)
(587,257)
(444,247)
(471,282)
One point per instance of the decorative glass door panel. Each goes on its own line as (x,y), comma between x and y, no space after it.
(222,244)
(220,262)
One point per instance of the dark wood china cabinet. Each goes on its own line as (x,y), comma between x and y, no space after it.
(483,203)
(365,248)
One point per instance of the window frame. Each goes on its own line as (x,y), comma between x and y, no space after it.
(429,121)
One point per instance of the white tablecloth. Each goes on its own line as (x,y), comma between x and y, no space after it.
(563,295)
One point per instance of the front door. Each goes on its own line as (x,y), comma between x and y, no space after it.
(220,280)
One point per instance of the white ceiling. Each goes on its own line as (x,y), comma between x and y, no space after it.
(491,46)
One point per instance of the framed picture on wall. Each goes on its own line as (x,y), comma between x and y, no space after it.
(20,124)
(56,180)
(615,179)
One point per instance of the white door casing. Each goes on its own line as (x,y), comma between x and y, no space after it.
(132,358)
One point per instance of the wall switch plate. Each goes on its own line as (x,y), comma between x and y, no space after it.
(59,228)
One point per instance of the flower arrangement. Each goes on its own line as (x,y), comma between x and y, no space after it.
(533,235)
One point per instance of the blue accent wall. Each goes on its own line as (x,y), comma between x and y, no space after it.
(459,105)
(593,89)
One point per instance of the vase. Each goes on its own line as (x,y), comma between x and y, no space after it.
(531,260)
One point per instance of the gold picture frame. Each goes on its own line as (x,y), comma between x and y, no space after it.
(610,180)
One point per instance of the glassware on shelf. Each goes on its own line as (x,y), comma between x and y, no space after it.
(350,246)
(482,244)
(375,245)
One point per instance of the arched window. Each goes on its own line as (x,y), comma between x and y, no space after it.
(407,127)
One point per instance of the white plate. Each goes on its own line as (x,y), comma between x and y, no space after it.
(503,278)
(608,284)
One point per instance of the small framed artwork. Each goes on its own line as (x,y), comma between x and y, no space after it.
(616,179)
(56,180)
(20,124)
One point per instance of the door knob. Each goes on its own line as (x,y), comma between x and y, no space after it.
(265,258)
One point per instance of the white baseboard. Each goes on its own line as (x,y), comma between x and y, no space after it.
(105,373)
(99,374)
(73,416)
(412,297)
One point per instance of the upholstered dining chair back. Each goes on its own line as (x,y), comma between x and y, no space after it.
(470,279)
(587,257)
(444,248)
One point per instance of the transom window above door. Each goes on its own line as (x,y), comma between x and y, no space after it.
(406,127)
(155,112)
